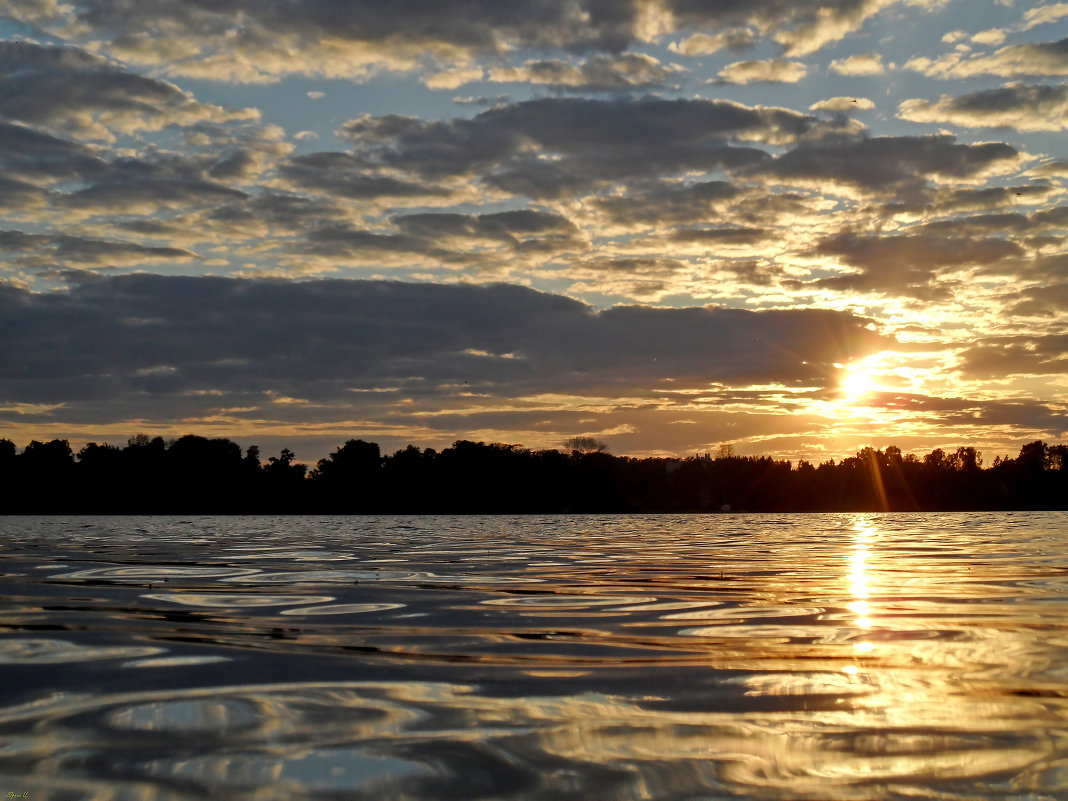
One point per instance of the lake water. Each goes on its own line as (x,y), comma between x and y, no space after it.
(567,657)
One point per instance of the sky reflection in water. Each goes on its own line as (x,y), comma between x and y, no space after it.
(844,656)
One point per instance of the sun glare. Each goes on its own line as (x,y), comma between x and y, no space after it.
(857,382)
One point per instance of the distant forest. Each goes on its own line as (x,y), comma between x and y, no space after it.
(198,474)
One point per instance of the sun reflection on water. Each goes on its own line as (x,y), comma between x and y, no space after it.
(864,537)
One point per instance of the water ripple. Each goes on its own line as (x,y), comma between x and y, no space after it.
(568,657)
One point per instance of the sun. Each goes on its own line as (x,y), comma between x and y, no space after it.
(857,381)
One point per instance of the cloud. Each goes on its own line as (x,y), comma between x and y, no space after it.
(668,204)
(703,44)
(18,195)
(343,175)
(935,201)
(648,279)
(128,347)
(494,242)
(1040,301)
(56,250)
(481,100)
(774,70)
(993,36)
(596,74)
(1053,169)
(150,194)
(801,28)
(511,226)
(733,235)
(843,104)
(997,357)
(1037,59)
(558,147)
(897,166)
(908,264)
(1021,106)
(71,90)
(273,212)
(256,42)
(454,77)
(79,180)
(38,156)
(859,64)
(1045,15)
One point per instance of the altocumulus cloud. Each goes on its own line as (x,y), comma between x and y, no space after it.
(265,40)
(1021,106)
(591,141)
(77,92)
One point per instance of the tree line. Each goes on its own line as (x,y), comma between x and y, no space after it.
(198,474)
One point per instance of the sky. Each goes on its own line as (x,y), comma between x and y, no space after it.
(797,227)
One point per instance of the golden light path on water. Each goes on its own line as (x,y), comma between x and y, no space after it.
(782,657)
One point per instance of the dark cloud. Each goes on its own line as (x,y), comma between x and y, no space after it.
(84,94)
(41,84)
(19,195)
(894,165)
(1043,301)
(935,201)
(553,147)
(340,240)
(978,226)
(800,27)
(907,264)
(264,40)
(35,156)
(503,224)
(122,343)
(51,250)
(625,71)
(667,204)
(450,237)
(996,357)
(751,272)
(275,211)
(342,175)
(522,229)
(720,236)
(1045,270)
(52,96)
(146,196)
(471,25)
(1030,417)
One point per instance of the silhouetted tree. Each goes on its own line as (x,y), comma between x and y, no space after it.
(198,474)
(348,479)
(8,462)
(45,471)
(586,445)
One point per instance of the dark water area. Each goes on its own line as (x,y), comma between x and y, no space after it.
(565,657)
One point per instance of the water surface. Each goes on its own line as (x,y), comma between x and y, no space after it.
(566,657)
